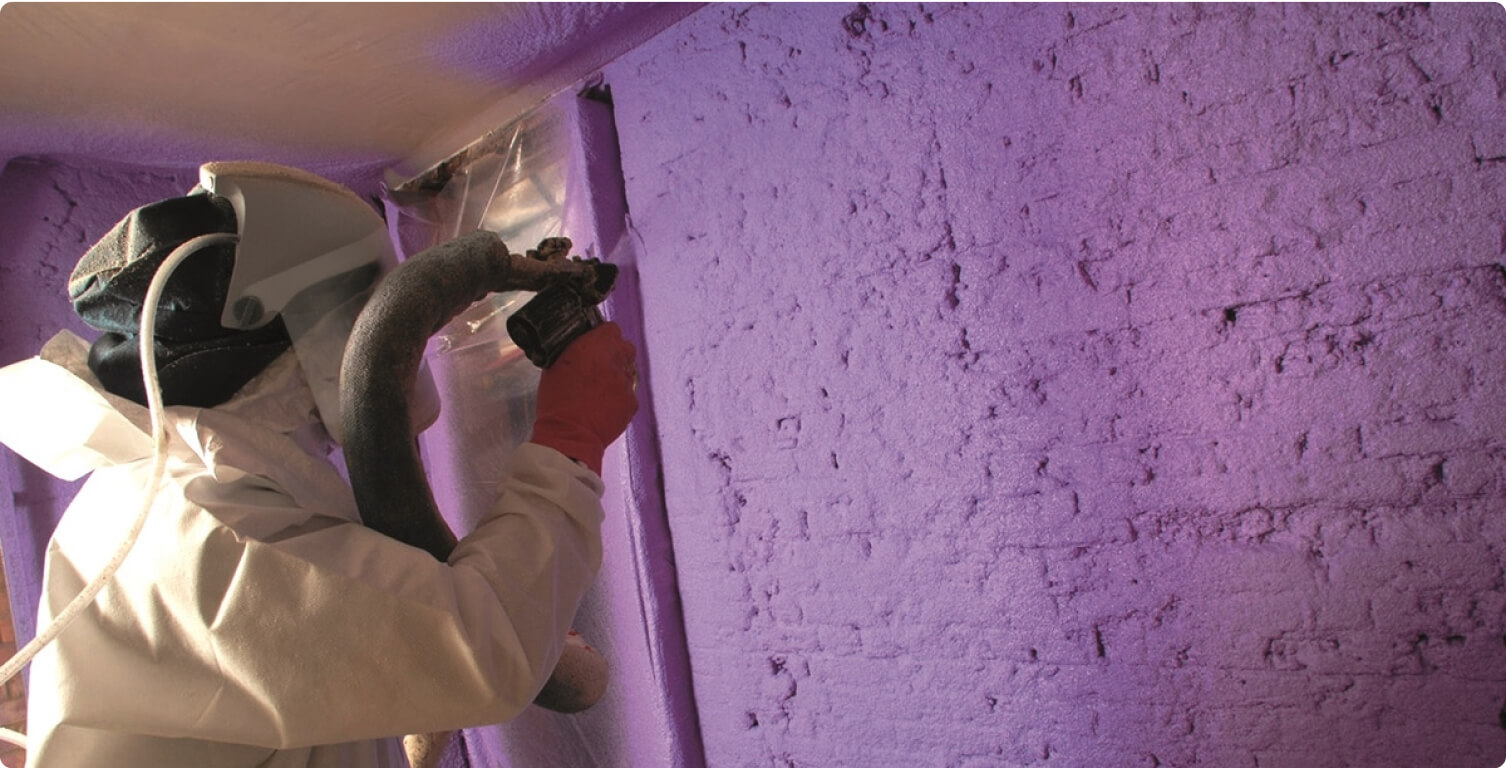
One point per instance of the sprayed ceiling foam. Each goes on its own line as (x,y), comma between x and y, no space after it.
(317,84)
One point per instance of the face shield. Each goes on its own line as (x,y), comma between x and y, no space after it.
(312,252)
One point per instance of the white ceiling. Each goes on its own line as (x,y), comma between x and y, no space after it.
(356,83)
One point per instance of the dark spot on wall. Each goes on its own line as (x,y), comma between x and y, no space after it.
(856,23)
(721,459)
(952,299)
(1086,276)
(1231,315)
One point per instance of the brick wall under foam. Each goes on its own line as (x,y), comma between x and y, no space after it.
(1081,385)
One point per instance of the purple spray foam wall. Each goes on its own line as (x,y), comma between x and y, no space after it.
(1081,385)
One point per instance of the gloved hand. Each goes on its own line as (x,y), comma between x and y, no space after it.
(586,399)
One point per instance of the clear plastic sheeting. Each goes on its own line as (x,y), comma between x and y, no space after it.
(478,370)
(514,185)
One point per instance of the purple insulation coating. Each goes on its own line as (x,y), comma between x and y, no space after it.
(670,699)
(1093,385)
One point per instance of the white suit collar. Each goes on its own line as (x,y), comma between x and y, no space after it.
(59,417)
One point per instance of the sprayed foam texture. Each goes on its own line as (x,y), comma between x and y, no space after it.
(1081,385)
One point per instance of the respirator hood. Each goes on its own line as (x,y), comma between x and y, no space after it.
(306,256)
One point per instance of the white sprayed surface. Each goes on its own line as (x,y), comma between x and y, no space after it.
(349,83)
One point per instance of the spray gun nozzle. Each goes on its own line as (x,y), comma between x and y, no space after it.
(560,313)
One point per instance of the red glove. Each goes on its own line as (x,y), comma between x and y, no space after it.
(587,398)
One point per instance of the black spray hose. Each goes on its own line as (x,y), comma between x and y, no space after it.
(381,362)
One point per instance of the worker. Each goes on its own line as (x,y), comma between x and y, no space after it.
(256,622)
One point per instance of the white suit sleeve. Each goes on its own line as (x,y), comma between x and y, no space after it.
(335,633)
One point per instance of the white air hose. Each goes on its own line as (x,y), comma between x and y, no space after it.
(159,467)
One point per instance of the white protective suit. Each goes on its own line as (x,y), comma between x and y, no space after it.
(257,622)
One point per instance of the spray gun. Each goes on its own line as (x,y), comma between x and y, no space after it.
(560,313)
